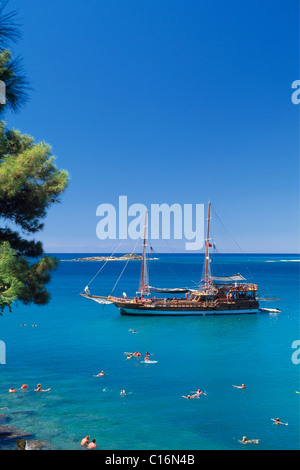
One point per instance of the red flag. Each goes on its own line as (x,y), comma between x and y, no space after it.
(209,244)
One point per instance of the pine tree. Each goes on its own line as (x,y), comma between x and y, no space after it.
(11,69)
(29,183)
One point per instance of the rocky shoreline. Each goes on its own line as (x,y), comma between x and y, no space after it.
(128,257)
(13,438)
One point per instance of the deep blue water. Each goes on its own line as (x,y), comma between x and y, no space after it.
(76,338)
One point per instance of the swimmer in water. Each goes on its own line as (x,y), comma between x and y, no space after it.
(129,356)
(92,445)
(11,390)
(146,358)
(277,421)
(239,386)
(85,441)
(189,397)
(122,392)
(198,393)
(136,354)
(100,374)
(39,389)
(24,386)
(249,441)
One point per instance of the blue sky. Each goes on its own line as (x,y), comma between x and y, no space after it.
(173,101)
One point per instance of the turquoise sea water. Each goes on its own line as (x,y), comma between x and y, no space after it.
(76,338)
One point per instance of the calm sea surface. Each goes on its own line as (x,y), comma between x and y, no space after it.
(76,339)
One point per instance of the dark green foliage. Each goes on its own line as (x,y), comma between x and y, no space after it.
(29,183)
(29,180)
(11,69)
(20,280)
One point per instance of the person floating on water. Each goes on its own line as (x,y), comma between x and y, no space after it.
(189,397)
(100,374)
(11,390)
(198,393)
(277,421)
(249,441)
(240,386)
(39,389)
(24,386)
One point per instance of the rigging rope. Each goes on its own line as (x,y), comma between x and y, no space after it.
(124,267)
(101,268)
(226,232)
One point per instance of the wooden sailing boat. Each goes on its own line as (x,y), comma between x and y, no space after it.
(214,295)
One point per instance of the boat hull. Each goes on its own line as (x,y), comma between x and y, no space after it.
(152,312)
(167,309)
(179,308)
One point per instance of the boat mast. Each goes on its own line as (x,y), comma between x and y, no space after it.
(207,246)
(143,261)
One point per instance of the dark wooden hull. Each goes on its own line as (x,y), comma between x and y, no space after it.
(188,308)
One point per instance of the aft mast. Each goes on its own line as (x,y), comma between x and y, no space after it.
(143,281)
(207,246)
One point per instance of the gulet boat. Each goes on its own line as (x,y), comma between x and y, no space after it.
(227,295)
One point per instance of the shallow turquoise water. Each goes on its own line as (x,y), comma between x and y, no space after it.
(76,338)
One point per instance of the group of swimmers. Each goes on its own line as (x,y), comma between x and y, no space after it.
(137,354)
(194,395)
(85,442)
(256,441)
(24,386)
(244,440)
